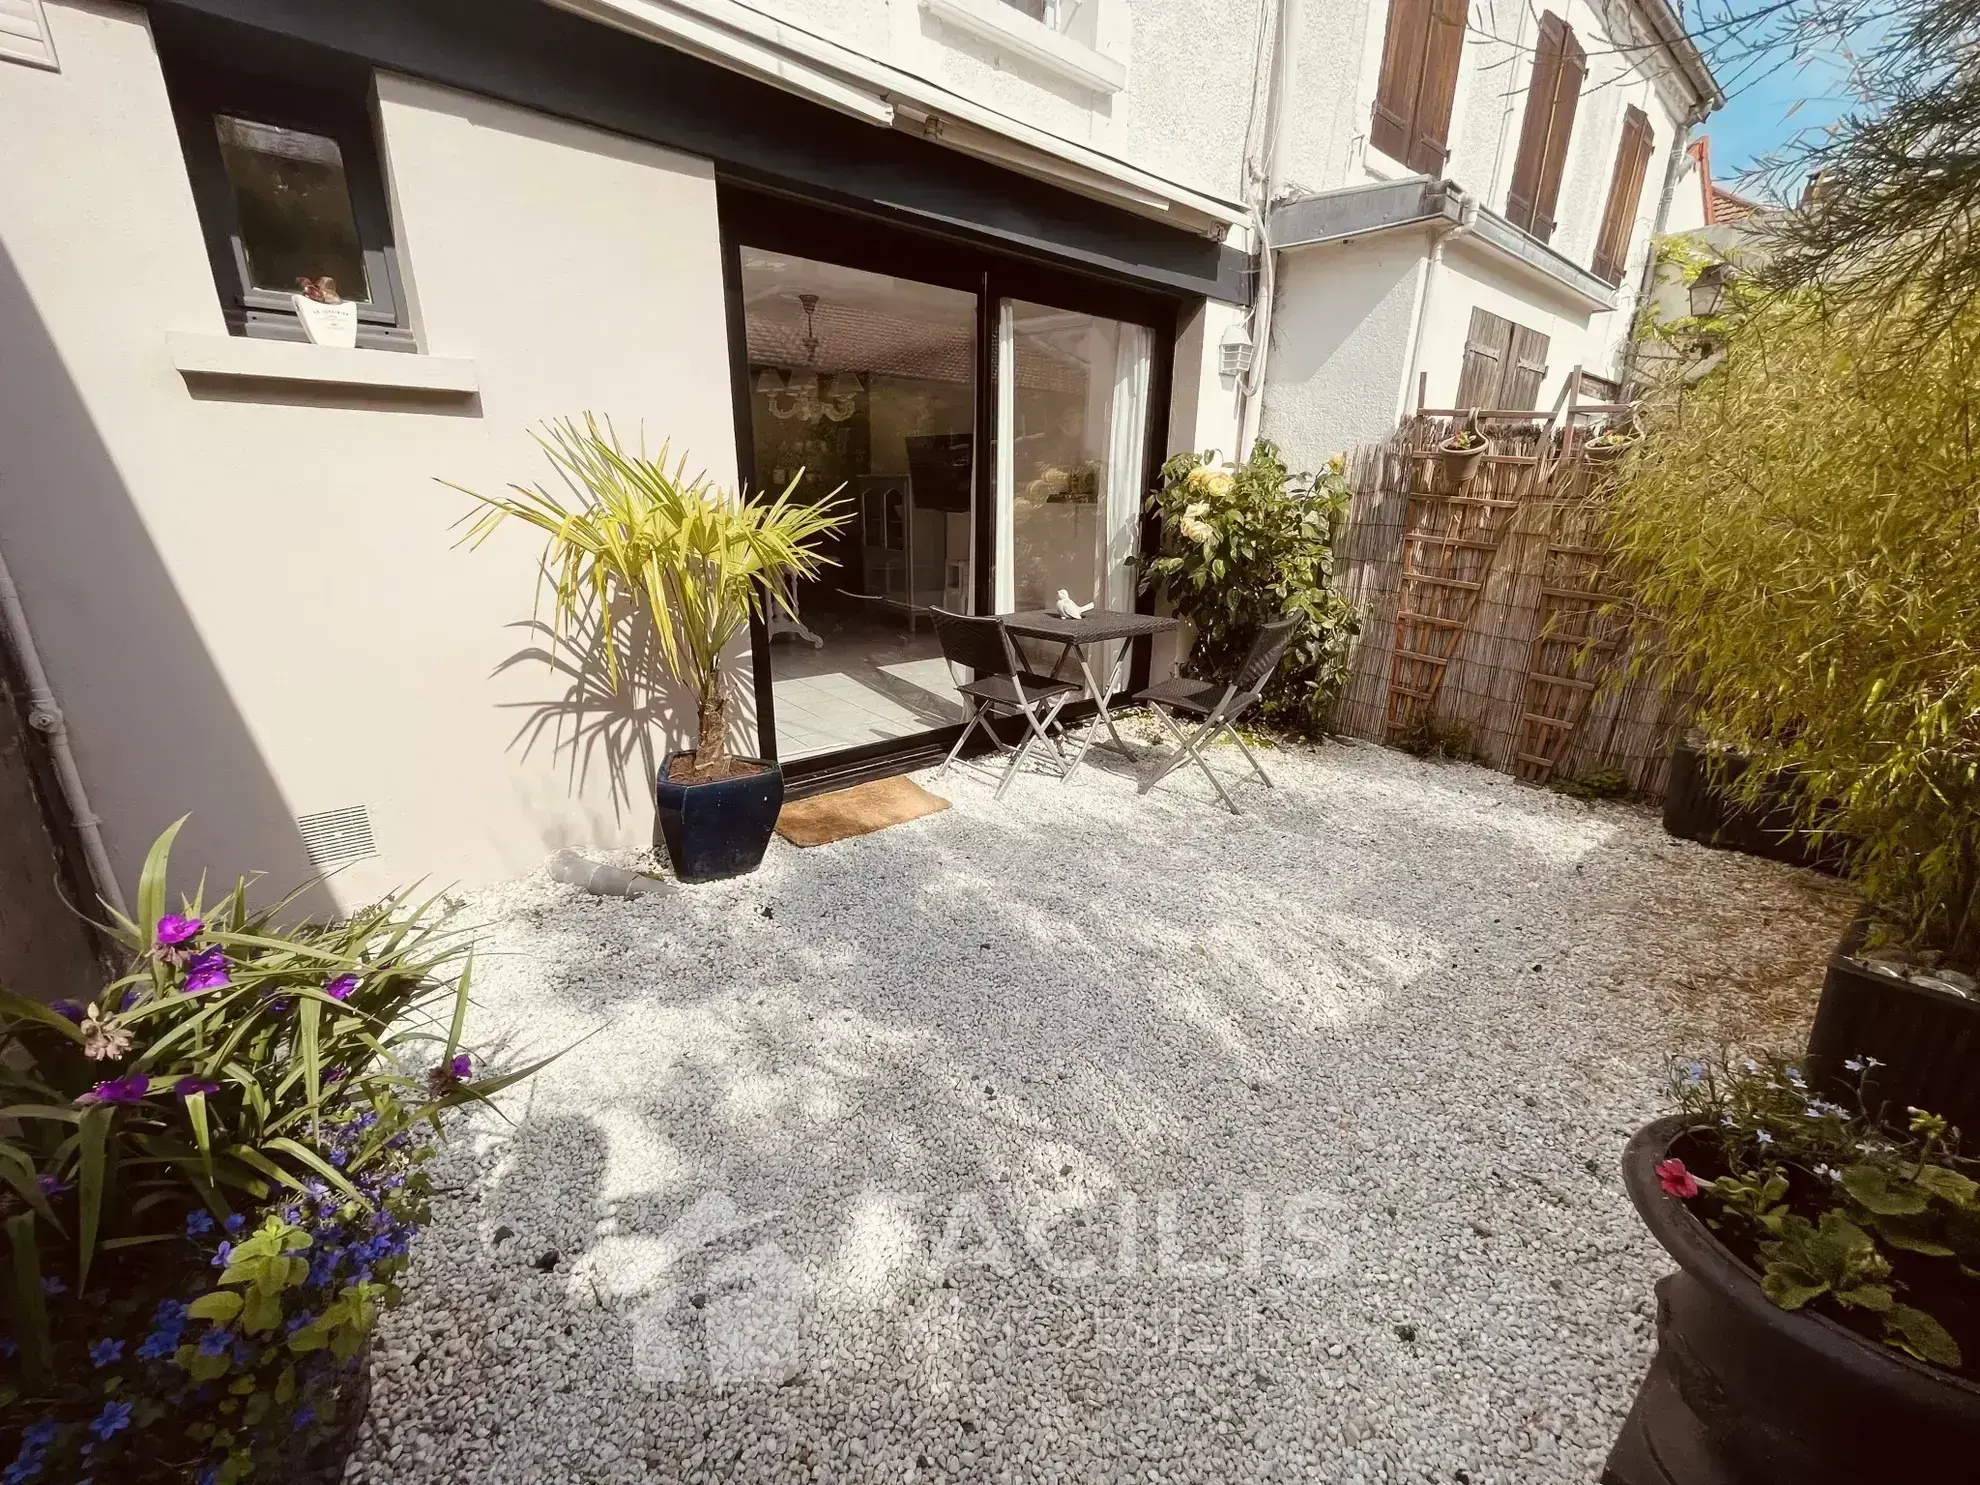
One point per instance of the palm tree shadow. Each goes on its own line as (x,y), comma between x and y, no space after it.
(611,696)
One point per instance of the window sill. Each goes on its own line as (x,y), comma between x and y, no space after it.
(251,359)
(1034,40)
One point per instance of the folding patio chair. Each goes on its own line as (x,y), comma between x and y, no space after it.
(1217,707)
(1001,685)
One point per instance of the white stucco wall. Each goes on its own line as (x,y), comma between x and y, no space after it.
(248,596)
(1473,277)
(1341,338)
(1190,70)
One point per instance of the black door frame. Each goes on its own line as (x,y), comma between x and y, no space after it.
(776,222)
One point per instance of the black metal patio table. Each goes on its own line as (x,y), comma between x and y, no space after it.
(1096,627)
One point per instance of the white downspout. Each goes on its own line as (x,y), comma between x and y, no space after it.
(1275,151)
(45,717)
(1439,236)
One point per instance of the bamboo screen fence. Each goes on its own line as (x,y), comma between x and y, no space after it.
(1483,622)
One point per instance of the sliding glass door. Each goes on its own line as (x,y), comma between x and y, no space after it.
(864,384)
(987,426)
(1071,455)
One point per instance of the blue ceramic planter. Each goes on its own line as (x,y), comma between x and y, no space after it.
(720,828)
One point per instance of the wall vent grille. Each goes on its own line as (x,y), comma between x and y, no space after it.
(24,35)
(336,836)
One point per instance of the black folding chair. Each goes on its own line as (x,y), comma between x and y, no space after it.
(1001,685)
(1217,707)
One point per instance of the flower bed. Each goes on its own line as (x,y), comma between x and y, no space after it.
(212,1182)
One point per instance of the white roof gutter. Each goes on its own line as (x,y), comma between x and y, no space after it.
(733,35)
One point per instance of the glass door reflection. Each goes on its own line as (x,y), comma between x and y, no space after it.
(867,382)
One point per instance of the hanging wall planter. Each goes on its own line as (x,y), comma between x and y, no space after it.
(715,828)
(1742,1392)
(1461,454)
(1611,444)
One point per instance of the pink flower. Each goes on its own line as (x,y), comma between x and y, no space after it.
(1676,1180)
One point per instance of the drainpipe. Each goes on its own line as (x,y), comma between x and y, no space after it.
(1275,151)
(45,717)
(1440,234)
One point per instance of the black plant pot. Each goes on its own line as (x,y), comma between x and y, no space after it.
(1742,1392)
(1696,807)
(1928,1041)
(720,828)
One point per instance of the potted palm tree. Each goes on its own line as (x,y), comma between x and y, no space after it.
(692,561)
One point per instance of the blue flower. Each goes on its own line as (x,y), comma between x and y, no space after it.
(106,1351)
(1764,1136)
(198,1224)
(304,1415)
(235,1222)
(39,1435)
(170,1313)
(221,1254)
(297,1321)
(1853,1064)
(115,1416)
(54,1286)
(213,1343)
(209,1476)
(158,1346)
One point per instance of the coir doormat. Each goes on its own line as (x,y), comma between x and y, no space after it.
(860,810)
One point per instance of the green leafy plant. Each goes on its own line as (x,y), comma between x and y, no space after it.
(1800,544)
(1242,546)
(696,560)
(1833,1208)
(1430,736)
(1597,783)
(239,1067)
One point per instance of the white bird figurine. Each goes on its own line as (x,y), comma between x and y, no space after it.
(1070,610)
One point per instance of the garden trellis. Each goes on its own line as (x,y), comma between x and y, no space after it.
(1488,620)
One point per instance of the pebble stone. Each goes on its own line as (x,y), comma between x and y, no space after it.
(1085,1137)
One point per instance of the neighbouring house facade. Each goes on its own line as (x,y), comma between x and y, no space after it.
(977,265)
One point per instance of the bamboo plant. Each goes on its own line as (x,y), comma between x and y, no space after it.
(695,559)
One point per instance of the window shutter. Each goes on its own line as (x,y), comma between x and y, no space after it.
(1487,352)
(1401,81)
(1567,95)
(24,34)
(1443,49)
(1625,194)
(1559,65)
(1526,369)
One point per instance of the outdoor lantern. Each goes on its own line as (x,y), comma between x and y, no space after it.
(1708,290)
(1237,350)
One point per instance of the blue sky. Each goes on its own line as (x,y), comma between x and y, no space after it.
(1770,99)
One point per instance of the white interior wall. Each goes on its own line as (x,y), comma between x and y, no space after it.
(248,595)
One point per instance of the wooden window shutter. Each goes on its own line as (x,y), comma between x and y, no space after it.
(1526,369)
(1420,54)
(1625,194)
(1487,352)
(1559,65)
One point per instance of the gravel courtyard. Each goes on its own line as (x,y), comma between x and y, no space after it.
(1087,1138)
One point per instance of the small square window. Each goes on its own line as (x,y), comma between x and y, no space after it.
(282,153)
(292,200)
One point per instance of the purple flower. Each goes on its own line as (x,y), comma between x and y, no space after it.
(68,1010)
(51,1185)
(198,1224)
(39,1436)
(279,1006)
(341,987)
(213,1343)
(106,1351)
(222,1254)
(235,1222)
(335,1075)
(118,1090)
(187,1086)
(206,970)
(173,930)
(131,998)
(52,1286)
(462,1066)
(304,1415)
(115,1415)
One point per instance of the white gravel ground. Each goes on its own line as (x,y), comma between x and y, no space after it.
(1087,1138)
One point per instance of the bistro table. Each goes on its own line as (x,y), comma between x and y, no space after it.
(1097,626)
